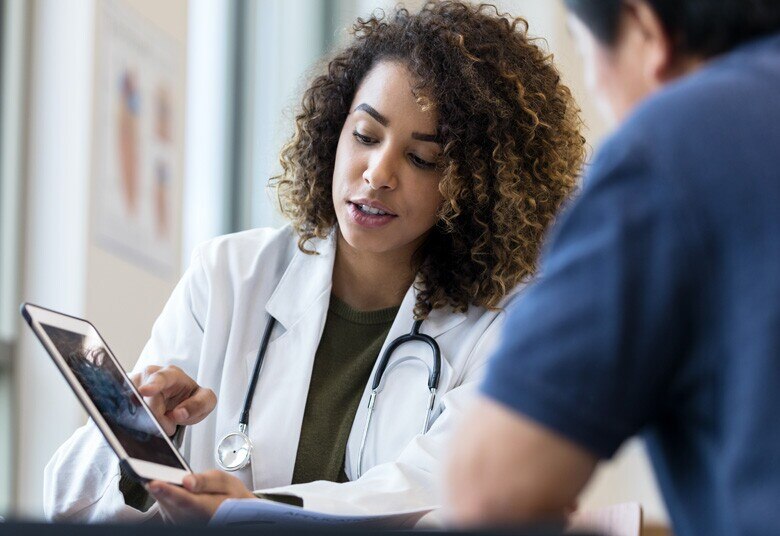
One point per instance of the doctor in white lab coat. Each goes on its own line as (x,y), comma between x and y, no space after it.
(393,219)
(211,329)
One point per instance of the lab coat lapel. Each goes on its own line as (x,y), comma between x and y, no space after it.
(307,278)
(439,321)
(300,305)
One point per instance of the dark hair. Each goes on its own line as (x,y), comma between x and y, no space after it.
(510,134)
(700,27)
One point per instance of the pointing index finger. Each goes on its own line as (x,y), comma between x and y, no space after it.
(155,384)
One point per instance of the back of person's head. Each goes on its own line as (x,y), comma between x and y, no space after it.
(697,27)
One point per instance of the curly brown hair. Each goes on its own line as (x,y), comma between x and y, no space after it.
(511,144)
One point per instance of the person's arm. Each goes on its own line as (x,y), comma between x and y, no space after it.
(506,469)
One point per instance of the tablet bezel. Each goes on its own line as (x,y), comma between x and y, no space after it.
(143,470)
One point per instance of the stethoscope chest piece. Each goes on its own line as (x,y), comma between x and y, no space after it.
(234,451)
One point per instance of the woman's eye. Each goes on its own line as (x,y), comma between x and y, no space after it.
(420,163)
(365,140)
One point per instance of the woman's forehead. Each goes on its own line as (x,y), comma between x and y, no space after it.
(388,88)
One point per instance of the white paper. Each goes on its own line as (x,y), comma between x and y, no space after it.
(262,512)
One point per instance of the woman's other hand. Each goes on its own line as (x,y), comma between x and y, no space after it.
(199,497)
(174,398)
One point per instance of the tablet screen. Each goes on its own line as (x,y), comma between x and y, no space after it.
(111,392)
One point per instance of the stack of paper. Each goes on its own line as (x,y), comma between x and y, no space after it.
(261,512)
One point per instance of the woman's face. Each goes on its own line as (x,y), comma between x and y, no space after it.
(386,176)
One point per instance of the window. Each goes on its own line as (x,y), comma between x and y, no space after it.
(13,17)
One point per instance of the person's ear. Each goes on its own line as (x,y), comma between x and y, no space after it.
(657,46)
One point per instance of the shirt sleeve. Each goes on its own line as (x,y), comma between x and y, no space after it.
(589,349)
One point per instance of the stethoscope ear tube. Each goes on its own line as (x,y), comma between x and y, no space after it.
(433,381)
(414,335)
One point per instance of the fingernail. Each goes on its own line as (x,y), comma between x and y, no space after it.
(183,413)
(189,482)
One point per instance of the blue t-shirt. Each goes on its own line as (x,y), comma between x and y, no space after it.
(658,312)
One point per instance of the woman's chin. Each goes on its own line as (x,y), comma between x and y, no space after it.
(364,244)
(372,241)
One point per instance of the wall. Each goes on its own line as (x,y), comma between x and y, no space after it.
(122,298)
(63,268)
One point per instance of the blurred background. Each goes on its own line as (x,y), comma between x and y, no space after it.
(130,131)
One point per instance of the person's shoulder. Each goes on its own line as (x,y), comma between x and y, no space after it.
(714,98)
(244,250)
(478,335)
(682,122)
(691,135)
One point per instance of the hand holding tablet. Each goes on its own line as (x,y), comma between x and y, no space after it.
(113,401)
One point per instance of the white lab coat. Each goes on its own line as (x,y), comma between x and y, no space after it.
(211,328)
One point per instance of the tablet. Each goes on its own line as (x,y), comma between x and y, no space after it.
(108,395)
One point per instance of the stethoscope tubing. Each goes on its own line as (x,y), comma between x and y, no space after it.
(256,372)
(243,422)
(413,336)
(433,381)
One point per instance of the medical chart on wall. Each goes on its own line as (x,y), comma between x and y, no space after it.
(136,146)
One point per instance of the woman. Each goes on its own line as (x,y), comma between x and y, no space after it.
(427,164)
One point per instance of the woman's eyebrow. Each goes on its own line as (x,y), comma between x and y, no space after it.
(384,121)
(373,113)
(433,138)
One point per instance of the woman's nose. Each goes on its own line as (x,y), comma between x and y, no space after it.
(381,173)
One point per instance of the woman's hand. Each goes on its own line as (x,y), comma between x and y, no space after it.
(174,398)
(200,497)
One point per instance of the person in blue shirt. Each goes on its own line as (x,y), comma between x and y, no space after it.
(658,309)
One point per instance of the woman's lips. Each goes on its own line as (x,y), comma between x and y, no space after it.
(372,204)
(364,219)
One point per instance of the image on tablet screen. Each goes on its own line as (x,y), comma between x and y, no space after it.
(112,393)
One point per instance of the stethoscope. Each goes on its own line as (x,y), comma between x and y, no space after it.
(234,450)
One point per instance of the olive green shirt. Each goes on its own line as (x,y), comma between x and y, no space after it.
(348,350)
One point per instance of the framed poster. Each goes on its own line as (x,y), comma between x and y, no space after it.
(137,152)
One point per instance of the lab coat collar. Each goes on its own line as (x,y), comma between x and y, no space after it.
(306,279)
(439,320)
